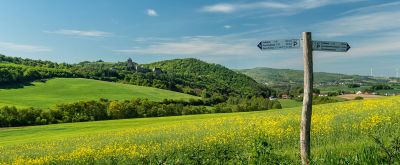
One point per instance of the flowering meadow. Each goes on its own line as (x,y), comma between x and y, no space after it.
(342,133)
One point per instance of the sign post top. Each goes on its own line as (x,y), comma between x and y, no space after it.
(279,44)
(330,46)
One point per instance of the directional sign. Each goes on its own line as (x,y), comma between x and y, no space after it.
(331,46)
(279,44)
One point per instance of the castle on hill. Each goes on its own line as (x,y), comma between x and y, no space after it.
(135,67)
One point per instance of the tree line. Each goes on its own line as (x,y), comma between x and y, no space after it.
(104,109)
(13,73)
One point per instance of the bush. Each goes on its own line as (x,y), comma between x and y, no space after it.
(358,98)
(353,85)
(381,87)
(135,108)
(276,105)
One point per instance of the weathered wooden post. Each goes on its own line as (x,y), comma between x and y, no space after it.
(308,47)
(307,99)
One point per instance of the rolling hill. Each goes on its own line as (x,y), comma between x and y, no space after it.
(212,77)
(67,90)
(286,76)
(189,76)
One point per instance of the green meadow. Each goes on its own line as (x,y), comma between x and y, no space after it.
(67,90)
(342,133)
(289,103)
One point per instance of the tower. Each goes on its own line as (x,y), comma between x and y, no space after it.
(130,64)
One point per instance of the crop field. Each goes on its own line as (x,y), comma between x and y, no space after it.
(67,90)
(342,133)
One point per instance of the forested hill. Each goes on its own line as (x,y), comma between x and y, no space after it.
(213,77)
(285,76)
(183,75)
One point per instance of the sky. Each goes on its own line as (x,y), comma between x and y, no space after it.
(223,32)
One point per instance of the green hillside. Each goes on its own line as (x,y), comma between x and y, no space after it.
(212,77)
(341,132)
(67,90)
(285,76)
(190,76)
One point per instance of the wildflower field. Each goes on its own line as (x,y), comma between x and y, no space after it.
(342,133)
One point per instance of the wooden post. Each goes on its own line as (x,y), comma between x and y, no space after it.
(307,99)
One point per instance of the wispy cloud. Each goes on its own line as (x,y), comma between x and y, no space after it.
(220,8)
(152,13)
(374,30)
(227,26)
(9,46)
(287,7)
(81,33)
(374,8)
(361,24)
(230,45)
(366,21)
(196,46)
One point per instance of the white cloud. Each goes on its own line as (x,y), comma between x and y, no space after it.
(151,13)
(370,20)
(227,26)
(361,23)
(9,46)
(220,8)
(284,8)
(196,46)
(81,33)
(242,44)
(379,7)
(373,31)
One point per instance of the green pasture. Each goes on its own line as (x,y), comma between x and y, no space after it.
(67,90)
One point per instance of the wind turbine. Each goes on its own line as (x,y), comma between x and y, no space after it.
(371,73)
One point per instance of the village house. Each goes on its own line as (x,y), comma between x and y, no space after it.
(272,98)
(323,95)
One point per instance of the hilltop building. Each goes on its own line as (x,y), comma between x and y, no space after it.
(157,70)
(131,66)
(135,67)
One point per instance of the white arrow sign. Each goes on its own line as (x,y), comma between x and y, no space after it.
(279,44)
(331,46)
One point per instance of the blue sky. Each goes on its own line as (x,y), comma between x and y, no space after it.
(223,32)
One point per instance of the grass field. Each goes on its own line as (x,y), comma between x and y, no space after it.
(289,103)
(67,90)
(341,134)
(364,96)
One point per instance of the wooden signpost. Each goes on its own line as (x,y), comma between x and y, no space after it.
(308,47)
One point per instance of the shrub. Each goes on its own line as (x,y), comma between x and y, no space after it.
(353,85)
(358,98)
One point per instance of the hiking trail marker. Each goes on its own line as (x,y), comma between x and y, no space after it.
(308,47)
(279,44)
(331,46)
